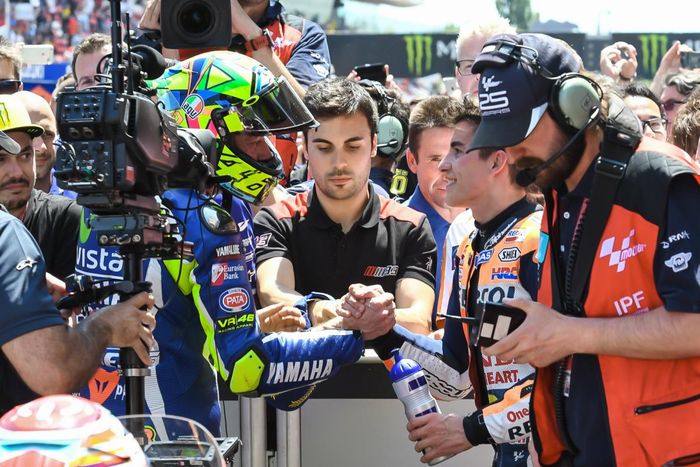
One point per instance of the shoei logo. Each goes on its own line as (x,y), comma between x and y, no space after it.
(495,102)
(193,105)
(619,257)
(235,299)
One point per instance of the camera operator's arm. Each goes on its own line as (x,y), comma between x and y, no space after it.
(49,356)
(242,24)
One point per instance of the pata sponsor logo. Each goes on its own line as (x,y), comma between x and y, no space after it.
(297,372)
(234,299)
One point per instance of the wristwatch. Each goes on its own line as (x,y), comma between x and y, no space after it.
(263,40)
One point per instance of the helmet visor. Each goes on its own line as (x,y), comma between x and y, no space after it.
(276,109)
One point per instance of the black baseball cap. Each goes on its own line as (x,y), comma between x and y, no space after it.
(9,144)
(517,75)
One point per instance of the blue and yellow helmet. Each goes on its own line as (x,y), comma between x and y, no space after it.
(229,93)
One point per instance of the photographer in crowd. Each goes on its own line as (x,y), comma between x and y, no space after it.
(614,331)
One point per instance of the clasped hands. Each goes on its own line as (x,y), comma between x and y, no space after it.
(368,309)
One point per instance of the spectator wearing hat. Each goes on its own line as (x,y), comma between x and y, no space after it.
(54,221)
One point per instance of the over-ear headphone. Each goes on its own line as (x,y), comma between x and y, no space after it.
(573,101)
(392,130)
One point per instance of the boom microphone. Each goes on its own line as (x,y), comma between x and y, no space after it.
(527,177)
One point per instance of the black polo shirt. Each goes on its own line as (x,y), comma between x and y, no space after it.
(389,242)
(54,221)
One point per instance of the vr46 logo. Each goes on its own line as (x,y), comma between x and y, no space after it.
(234,322)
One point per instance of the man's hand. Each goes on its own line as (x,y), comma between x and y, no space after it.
(279,317)
(545,336)
(56,287)
(321,311)
(241,22)
(150,20)
(368,309)
(438,435)
(130,325)
(619,61)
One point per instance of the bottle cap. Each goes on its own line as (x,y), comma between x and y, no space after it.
(403,367)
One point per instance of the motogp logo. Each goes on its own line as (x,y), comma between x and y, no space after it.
(235,299)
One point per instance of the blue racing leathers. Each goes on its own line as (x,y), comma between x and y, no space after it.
(206,323)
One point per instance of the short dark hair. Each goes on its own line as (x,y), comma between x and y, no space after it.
(433,112)
(686,126)
(640,90)
(92,43)
(469,113)
(340,97)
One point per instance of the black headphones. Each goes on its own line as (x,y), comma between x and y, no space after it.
(392,131)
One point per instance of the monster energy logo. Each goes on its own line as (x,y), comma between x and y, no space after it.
(419,53)
(654,46)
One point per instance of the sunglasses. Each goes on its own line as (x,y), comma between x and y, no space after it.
(671,104)
(464,67)
(9,86)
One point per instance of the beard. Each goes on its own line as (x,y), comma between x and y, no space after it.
(555,175)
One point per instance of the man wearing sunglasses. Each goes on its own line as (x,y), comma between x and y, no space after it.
(10,66)
(469,45)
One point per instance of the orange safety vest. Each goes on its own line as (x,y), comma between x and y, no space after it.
(652,406)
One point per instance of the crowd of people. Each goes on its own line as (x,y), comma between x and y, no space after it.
(64,23)
(338,216)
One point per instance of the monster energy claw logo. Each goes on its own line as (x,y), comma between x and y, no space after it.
(654,46)
(419,54)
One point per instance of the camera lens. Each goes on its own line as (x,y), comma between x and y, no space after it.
(196,18)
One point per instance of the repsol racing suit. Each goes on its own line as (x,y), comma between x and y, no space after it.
(495,262)
(206,319)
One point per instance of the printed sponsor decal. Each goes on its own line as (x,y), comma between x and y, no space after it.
(515,235)
(296,372)
(25,263)
(629,303)
(675,238)
(381,271)
(228,250)
(234,299)
(262,240)
(618,258)
(504,273)
(193,105)
(493,102)
(221,273)
(483,257)
(678,262)
(235,322)
(509,254)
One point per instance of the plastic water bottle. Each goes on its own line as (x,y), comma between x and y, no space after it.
(412,389)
